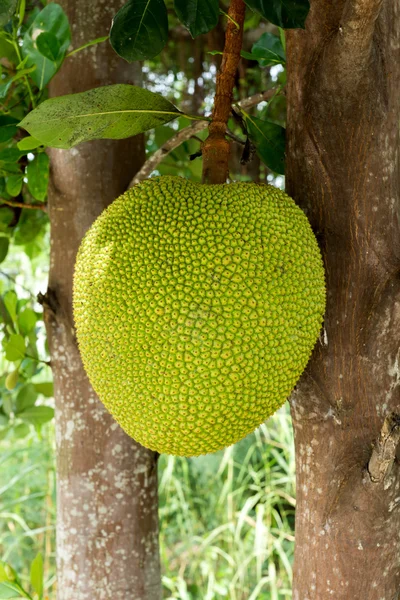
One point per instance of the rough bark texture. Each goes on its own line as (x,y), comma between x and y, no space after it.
(343,169)
(107,528)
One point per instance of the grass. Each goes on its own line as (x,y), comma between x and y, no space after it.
(226,519)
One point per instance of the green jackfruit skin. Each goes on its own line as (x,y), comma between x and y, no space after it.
(196,309)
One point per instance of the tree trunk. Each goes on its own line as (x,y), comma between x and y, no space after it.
(343,169)
(107,524)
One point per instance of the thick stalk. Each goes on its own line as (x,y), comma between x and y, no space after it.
(216,148)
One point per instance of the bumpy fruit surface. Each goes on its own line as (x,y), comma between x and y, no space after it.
(197,308)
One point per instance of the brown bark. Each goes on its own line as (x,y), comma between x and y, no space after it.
(107,528)
(343,169)
(216,148)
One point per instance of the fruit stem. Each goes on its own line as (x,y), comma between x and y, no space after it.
(216,148)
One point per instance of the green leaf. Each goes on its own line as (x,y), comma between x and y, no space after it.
(27,321)
(21,430)
(199,16)
(14,185)
(37,574)
(48,45)
(46,388)
(11,380)
(15,347)
(269,140)
(26,398)
(10,301)
(28,143)
(7,9)
(4,244)
(140,29)
(268,50)
(7,573)
(110,112)
(37,415)
(38,176)
(288,14)
(11,591)
(51,20)
(8,127)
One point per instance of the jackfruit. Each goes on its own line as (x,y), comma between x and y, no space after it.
(196,309)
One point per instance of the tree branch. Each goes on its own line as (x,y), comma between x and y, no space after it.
(185,134)
(16,204)
(358,25)
(384,452)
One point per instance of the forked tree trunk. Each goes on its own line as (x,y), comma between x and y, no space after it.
(107,527)
(343,169)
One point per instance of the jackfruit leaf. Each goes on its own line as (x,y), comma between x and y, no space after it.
(109,112)
(28,143)
(269,140)
(48,45)
(8,127)
(20,431)
(26,398)
(7,8)
(140,29)
(46,388)
(199,16)
(14,185)
(4,244)
(15,347)
(27,321)
(37,415)
(268,50)
(37,574)
(51,20)
(10,300)
(37,172)
(288,14)
(10,590)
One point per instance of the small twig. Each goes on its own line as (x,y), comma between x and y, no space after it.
(235,138)
(185,134)
(384,452)
(16,204)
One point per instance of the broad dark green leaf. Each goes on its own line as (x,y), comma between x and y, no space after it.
(289,14)
(37,415)
(199,16)
(26,398)
(54,21)
(269,140)
(110,112)
(140,29)
(27,321)
(4,244)
(38,176)
(8,127)
(14,185)
(7,9)
(48,45)
(15,347)
(46,388)
(268,50)
(10,590)
(37,574)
